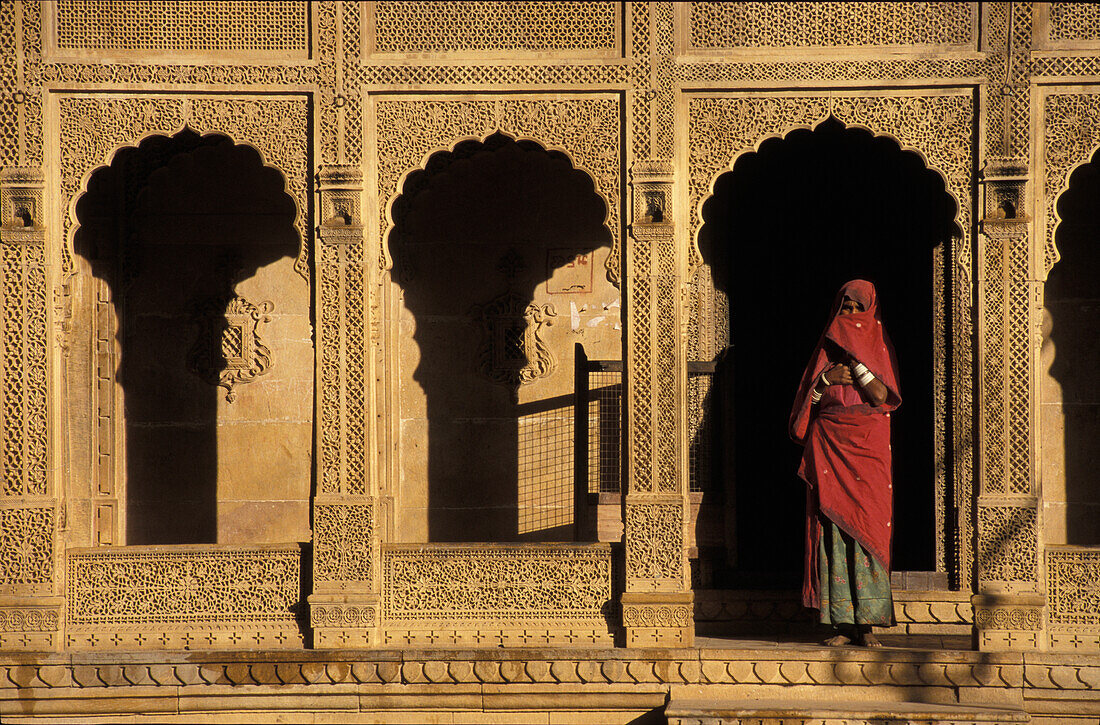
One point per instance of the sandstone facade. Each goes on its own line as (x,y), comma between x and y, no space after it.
(394,326)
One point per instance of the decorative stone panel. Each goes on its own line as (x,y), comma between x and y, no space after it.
(1008,539)
(182,27)
(179,597)
(1073,598)
(537,594)
(491,29)
(763,25)
(26,549)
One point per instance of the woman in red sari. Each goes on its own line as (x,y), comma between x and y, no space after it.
(842,417)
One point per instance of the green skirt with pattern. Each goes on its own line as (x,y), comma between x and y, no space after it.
(855,587)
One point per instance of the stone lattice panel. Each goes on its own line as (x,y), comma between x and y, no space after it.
(440,28)
(344,535)
(162,586)
(717,25)
(1073,588)
(138,25)
(585,128)
(1007,539)
(1072,123)
(1073,22)
(495,583)
(26,550)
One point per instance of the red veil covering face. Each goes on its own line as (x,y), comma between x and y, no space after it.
(847,460)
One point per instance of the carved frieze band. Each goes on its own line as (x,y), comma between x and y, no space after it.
(584,127)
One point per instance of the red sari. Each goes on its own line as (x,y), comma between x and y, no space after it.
(847,459)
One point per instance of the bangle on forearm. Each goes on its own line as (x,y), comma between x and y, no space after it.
(862,375)
(815,397)
(824,380)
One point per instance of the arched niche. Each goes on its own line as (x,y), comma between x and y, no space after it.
(191,347)
(498,249)
(1070,358)
(788,224)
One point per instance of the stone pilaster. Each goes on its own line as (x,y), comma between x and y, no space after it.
(657,602)
(344,602)
(1008,606)
(29,609)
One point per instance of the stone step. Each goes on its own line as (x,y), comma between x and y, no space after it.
(792,712)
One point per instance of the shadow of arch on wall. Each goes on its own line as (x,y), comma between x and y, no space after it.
(172,227)
(490,243)
(783,228)
(1070,397)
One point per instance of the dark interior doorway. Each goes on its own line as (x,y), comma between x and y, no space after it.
(173,226)
(1072,299)
(474,244)
(782,232)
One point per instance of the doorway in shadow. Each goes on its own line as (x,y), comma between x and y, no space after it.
(498,249)
(1072,300)
(784,229)
(177,230)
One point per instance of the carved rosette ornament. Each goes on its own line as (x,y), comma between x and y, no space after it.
(229,350)
(512,350)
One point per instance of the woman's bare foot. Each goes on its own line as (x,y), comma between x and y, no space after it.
(838,641)
(867,638)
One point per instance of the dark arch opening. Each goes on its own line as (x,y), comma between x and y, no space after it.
(783,230)
(173,227)
(1072,299)
(482,233)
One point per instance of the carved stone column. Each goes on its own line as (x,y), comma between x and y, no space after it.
(1008,609)
(29,609)
(657,602)
(344,602)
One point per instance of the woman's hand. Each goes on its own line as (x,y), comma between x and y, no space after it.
(839,374)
